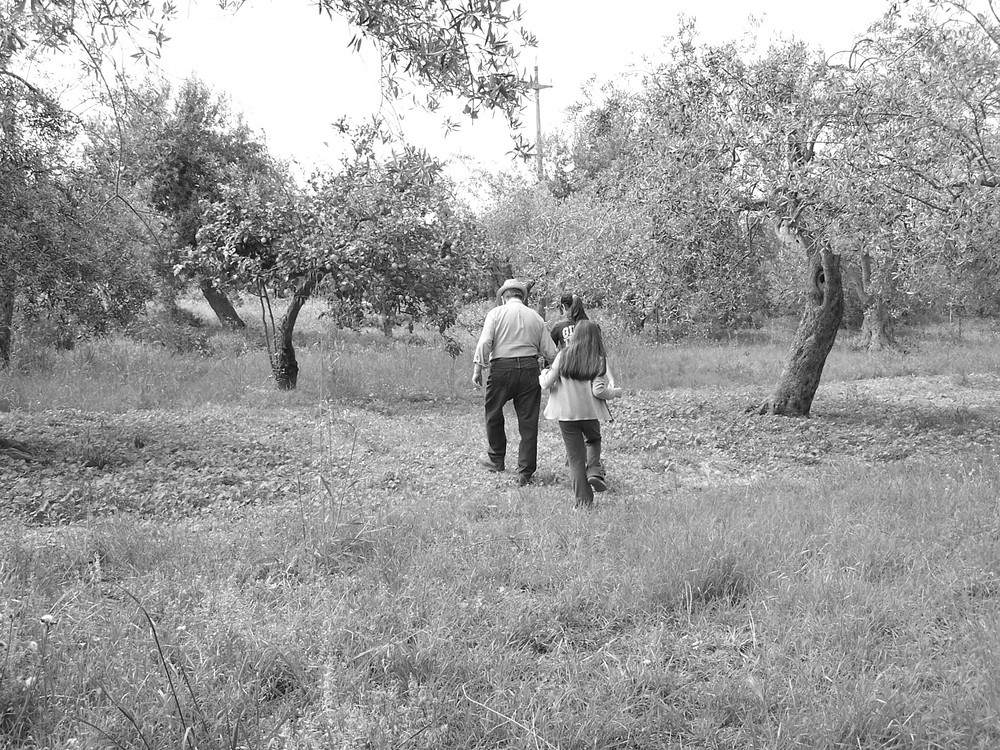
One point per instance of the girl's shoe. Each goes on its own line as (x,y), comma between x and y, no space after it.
(597,483)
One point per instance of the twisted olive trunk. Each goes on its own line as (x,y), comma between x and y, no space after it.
(284,366)
(8,287)
(8,274)
(876,330)
(221,305)
(815,336)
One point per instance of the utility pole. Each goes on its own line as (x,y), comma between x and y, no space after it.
(537,86)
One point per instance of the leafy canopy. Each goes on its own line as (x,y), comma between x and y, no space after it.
(383,235)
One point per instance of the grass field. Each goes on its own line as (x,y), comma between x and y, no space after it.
(190,559)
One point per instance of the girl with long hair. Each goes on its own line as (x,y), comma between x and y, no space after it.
(580,385)
(572,310)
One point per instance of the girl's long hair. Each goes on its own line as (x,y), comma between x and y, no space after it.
(574,307)
(584,357)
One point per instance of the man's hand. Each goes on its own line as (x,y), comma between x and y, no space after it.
(477,375)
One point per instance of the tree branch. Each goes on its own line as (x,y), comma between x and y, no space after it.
(31,87)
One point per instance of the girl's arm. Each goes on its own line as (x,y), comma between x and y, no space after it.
(603,390)
(550,375)
(603,386)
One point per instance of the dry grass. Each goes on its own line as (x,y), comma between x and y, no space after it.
(854,609)
(224,367)
(369,589)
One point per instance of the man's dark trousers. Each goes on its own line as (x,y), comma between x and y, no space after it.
(516,379)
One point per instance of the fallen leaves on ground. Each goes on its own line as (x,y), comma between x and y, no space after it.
(888,419)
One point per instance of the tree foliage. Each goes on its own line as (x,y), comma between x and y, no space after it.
(881,156)
(82,30)
(383,236)
(64,253)
(463,49)
(467,50)
(932,76)
(64,249)
(877,164)
(387,236)
(198,149)
(641,212)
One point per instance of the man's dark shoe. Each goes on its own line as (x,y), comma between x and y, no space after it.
(489,465)
(597,483)
(523,480)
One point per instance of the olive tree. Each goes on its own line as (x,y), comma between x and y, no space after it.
(198,149)
(875,163)
(64,255)
(382,236)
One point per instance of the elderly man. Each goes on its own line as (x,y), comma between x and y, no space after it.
(513,338)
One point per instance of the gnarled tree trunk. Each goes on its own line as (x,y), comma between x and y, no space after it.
(876,330)
(221,305)
(8,287)
(876,322)
(8,275)
(815,336)
(388,324)
(284,366)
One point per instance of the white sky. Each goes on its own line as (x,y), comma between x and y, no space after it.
(288,69)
